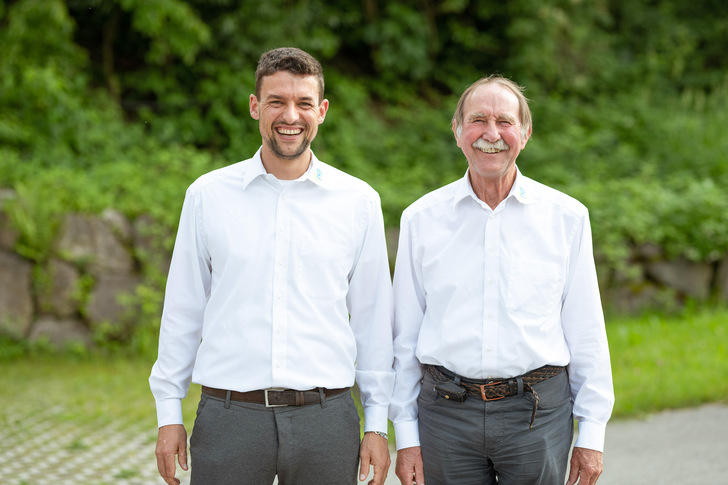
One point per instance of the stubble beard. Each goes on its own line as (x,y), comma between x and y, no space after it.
(277,150)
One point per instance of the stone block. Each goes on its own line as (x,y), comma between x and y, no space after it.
(687,277)
(16,297)
(60,332)
(59,295)
(91,242)
(106,303)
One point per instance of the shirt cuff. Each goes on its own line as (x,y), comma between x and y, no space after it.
(375,419)
(591,435)
(169,411)
(407,434)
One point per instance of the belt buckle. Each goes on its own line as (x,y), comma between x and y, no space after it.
(482,391)
(274,389)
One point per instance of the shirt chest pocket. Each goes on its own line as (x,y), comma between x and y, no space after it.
(534,287)
(322,269)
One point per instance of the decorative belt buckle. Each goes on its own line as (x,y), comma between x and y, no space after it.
(274,389)
(482,391)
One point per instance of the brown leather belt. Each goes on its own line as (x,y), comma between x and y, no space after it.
(496,389)
(275,397)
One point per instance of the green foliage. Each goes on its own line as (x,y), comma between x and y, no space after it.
(123,103)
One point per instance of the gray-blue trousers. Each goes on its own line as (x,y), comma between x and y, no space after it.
(244,443)
(484,443)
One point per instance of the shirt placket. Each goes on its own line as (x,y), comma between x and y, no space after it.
(491,285)
(281,269)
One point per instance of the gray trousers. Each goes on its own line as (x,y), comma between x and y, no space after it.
(483,443)
(244,443)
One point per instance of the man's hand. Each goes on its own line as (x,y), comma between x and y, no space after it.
(586,466)
(375,452)
(409,466)
(171,441)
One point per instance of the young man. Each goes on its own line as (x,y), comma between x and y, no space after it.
(278,297)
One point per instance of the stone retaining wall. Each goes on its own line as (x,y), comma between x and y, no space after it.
(89,281)
(97,262)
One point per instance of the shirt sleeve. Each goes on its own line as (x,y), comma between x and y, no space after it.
(409,312)
(582,320)
(188,287)
(369,300)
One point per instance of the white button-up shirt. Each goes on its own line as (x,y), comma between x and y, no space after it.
(277,285)
(497,293)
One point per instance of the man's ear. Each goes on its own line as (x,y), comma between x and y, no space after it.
(323,109)
(254,111)
(457,130)
(526,138)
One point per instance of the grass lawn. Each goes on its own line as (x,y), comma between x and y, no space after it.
(669,362)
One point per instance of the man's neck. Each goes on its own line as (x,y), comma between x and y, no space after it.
(283,169)
(492,191)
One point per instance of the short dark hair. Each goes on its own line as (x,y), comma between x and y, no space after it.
(292,60)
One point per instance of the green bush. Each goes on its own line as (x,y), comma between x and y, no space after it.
(122,104)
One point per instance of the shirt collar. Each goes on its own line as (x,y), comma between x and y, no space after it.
(522,190)
(255,170)
(316,173)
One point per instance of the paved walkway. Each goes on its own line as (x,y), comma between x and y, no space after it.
(686,447)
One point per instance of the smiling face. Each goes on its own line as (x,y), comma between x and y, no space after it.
(288,112)
(491,135)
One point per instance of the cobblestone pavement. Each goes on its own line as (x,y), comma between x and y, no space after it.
(32,452)
(686,447)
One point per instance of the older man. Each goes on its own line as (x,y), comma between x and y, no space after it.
(278,297)
(499,331)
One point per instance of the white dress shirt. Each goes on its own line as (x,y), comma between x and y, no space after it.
(497,293)
(277,285)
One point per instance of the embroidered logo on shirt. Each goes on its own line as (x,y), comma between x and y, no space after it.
(318,175)
(522,192)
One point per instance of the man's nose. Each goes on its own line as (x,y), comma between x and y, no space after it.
(290,114)
(490,133)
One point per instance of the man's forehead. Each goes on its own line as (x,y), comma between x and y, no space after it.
(492,99)
(283,83)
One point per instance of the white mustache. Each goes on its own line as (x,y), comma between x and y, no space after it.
(481,144)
